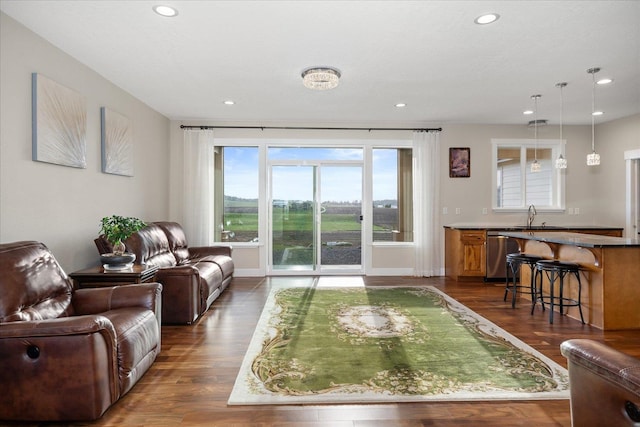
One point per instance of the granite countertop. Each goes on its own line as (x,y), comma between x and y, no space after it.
(501,227)
(576,239)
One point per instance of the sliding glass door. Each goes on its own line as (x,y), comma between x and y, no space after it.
(340,217)
(293,218)
(316,217)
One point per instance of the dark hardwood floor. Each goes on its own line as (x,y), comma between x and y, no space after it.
(192,378)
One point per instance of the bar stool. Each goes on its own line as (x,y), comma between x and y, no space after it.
(554,269)
(514,263)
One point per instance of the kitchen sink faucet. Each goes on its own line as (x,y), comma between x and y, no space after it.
(531,213)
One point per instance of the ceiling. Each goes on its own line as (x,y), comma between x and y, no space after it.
(427,54)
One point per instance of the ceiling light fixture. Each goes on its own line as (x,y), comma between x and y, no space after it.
(535,166)
(593,159)
(487,18)
(166,11)
(527,112)
(320,78)
(228,102)
(604,81)
(561,162)
(401,105)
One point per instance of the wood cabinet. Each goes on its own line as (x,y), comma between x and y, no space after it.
(465,253)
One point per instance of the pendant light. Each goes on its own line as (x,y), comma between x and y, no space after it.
(593,159)
(561,162)
(535,166)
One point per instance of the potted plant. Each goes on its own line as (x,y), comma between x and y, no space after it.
(116,229)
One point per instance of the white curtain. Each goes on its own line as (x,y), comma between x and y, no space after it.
(198,219)
(428,234)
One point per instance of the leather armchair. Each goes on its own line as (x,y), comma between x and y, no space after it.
(604,384)
(69,354)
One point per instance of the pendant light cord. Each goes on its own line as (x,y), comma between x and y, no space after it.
(535,127)
(593,110)
(562,85)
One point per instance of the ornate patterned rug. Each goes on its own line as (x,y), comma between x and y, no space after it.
(318,345)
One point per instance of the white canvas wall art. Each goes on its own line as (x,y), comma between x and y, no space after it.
(59,123)
(117,146)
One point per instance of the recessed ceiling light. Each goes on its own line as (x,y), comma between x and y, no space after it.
(487,18)
(167,11)
(401,105)
(527,112)
(597,113)
(228,102)
(604,81)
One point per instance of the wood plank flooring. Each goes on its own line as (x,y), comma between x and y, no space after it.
(190,382)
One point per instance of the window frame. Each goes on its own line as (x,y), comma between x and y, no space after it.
(558,187)
(264,163)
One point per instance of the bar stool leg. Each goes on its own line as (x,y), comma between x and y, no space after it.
(561,274)
(506,283)
(534,300)
(514,269)
(580,296)
(511,283)
(532,281)
(552,282)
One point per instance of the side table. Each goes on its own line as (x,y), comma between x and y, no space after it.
(96,277)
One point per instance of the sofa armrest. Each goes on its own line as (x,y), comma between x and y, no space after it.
(604,384)
(197,252)
(605,362)
(180,294)
(99,300)
(59,327)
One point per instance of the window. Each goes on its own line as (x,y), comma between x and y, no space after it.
(392,195)
(236,194)
(515,186)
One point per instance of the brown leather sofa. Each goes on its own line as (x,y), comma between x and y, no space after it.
(69,354)
(604,384)
(192,277)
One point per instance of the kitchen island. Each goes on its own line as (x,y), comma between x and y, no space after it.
(610,273)
(467,252)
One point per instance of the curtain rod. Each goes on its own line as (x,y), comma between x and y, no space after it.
(306,128)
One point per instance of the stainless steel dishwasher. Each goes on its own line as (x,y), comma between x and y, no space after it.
(497,249)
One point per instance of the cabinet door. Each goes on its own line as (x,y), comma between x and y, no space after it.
(474,257)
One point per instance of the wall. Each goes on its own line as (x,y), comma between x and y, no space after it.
(62,206)
(612,140)
(597,191)
(585,186)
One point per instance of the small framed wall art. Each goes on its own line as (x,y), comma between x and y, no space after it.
(459,162)
(117,146)
(58,123)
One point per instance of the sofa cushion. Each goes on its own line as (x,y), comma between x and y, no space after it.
(177,240)
(150,245)
(33,286)
(224,262)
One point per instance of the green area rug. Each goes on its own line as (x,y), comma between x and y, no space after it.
(391,344)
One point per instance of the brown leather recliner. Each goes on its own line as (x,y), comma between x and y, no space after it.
(69,354)
(604,384)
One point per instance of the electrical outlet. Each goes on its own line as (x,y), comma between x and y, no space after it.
(457,211)
(484,211)
(577,211)
(445,211)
